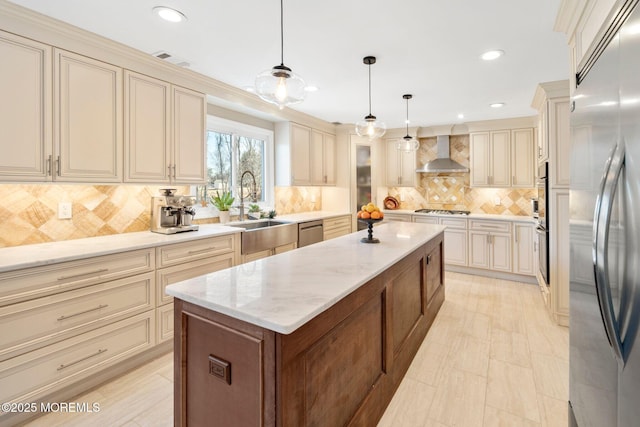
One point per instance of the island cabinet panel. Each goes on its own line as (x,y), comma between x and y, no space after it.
(341,368)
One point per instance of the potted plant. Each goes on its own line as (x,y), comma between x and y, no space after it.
(223,203)
(254,211)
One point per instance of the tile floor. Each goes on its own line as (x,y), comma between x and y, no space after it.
(492,358)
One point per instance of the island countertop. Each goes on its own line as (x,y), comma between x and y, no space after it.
(283,292)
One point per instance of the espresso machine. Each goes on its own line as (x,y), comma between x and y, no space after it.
(172,213)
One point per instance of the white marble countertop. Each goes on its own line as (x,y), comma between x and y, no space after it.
(283,292)
(518,218)
(17,257)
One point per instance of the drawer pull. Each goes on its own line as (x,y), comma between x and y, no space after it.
(64,317)
(200,251)
(75,362)
(102,270)
(492,227)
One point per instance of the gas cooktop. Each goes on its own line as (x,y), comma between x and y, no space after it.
(442,212)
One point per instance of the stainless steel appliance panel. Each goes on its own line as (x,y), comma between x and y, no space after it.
(605,234)
(309,232)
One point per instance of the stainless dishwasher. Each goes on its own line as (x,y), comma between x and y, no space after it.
(309,232)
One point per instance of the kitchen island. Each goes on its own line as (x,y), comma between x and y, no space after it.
(319,336)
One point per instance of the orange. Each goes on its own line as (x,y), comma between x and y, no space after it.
(365,215)
(375,215)
(381,214)
(359,215)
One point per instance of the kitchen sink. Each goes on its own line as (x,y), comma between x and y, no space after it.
(263,235)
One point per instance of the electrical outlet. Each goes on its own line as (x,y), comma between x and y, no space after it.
(64,210)
(313,198)
(402,197)
(496,201)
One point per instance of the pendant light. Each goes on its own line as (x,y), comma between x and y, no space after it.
(370,126)
(280,85)
(408,143)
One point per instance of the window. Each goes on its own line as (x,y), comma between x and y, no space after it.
(233,150)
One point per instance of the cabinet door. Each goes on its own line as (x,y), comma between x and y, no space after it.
(188,136)
(523,245)
(543,140)
(392,160)
(407,168)
(329,158)
(500,159)
(479,249)
(560,142)
(87,119)
(25,109)
(317,158)
(300,155)
(522,158)
(147,133)
(455,247)
(500,252)
(479,170)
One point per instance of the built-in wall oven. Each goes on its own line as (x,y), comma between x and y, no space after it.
(542,230)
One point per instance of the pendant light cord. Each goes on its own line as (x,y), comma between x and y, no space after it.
(281,33)
(407,116)
(369,89)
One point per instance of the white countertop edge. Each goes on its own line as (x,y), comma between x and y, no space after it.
(195,290)
(513,218)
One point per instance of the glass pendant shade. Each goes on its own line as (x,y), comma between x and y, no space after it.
(280,86)
(370,127)
(408,144)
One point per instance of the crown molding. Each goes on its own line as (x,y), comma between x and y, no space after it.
(548,90)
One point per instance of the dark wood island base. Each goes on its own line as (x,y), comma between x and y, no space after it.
(339,369)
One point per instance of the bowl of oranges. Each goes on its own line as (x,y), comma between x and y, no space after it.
(370,214)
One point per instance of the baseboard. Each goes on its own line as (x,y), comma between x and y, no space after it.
(491,273)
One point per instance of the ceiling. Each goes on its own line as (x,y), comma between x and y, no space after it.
(428,48)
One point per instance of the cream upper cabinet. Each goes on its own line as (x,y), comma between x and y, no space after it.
(147,129)
(164,132)
(522,158)
(491,159)
(304,156)
(25,109)
(323,158)
(400,166)
(188,112)
(87,119)
(503,158)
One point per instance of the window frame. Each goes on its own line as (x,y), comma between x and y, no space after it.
(236,130)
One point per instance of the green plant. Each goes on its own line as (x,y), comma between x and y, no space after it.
(222,202)
(254,208)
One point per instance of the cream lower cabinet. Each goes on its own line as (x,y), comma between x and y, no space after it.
(490,245)
(336,227)
(524,255)
(269,252)
(455,237)
(183,261)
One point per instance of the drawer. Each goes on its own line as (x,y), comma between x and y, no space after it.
(337,232)
(164,323)
(338,222)
(425,220)
(397,217)
(491,226)
(34,374)
(195,249)
(178,273)
(460,223)
(39,322)
(36,282)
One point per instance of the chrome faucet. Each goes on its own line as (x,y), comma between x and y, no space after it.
(253,193)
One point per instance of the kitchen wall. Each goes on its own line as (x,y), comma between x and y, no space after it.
(452,190)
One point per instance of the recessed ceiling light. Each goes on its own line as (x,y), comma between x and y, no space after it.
(497,105)
(461,116)
(492,54)
(311,88)
(169,14)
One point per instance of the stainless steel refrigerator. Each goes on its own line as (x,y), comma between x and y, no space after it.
(605,230)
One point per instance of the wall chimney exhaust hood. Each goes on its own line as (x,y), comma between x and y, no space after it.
(443,163)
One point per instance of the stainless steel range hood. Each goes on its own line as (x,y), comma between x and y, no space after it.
(443,163)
